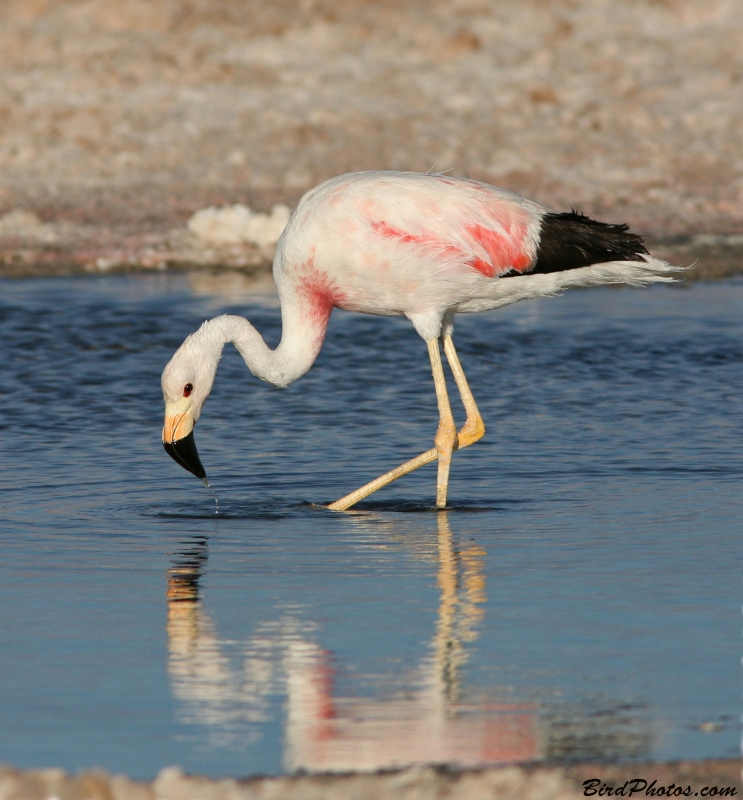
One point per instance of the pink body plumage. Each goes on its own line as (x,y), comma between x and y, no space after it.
(403,243)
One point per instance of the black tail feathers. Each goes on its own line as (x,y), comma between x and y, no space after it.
(570,240)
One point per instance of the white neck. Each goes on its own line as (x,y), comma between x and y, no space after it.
(301,340)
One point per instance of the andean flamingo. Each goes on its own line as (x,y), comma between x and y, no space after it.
(402,243)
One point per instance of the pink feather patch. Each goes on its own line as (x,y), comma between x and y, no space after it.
(505,252)
(318,291)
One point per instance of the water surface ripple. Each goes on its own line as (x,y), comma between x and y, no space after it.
(579,599)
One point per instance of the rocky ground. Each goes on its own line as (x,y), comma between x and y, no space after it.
(121,118)
(415,783)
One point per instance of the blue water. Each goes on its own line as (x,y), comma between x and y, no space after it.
(579,599)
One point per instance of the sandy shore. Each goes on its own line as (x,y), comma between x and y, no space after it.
(415,783)
(121,118)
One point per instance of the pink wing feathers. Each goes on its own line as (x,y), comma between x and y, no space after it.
(460,221)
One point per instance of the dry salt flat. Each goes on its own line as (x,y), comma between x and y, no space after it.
(121,119)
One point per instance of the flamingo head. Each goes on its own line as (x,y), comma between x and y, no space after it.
(186,382)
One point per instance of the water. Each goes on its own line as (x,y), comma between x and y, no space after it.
(580,599)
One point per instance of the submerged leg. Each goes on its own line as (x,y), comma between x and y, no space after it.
(446,433)
(474,428)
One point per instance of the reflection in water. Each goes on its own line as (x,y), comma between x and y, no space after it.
(428,725)
(436,722)
(212,692)
(461,579)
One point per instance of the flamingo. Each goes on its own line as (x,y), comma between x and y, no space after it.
(425,246)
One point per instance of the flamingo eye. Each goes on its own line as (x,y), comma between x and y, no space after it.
(187,389)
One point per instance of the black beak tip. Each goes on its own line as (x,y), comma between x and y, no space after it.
(184,452)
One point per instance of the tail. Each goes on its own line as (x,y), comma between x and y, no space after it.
(640,272)
(571,240)
(575,251)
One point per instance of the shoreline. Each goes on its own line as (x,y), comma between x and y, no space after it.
(708,256)
(709,777)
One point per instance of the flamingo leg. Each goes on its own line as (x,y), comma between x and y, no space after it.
(446,435)
(474,428)
(351,499)
(446,442)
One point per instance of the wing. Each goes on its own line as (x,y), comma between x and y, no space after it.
(455,222)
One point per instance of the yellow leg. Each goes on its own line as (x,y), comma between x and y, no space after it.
(445,440)
(446,435)
(351,499)
(474,428)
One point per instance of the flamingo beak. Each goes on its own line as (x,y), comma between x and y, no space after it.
(179,443)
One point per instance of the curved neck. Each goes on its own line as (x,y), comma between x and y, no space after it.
(301,339)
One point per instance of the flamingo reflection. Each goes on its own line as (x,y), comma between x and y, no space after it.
(211,691)
(431,724)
